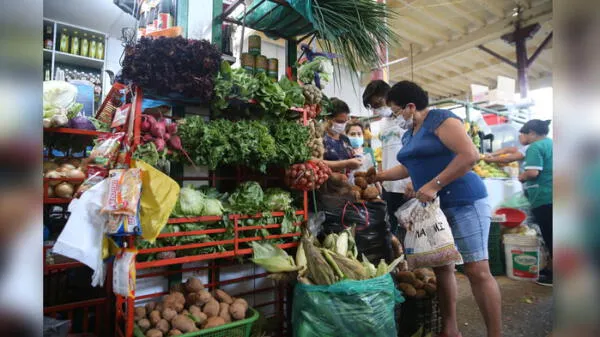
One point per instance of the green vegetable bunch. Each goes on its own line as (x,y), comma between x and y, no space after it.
(292,142)
(233,84)
(294,96)
(320,65)
(271,96)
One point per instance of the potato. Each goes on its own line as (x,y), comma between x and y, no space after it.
(184,324)
(140,313)
(155,317)
(224,312)
(211,309)
(150,306)
(432,280)
(242,301)
(360,174)
(418,284)
(431,289)
(361,182)
(237,310)
(406,277)
(408,289)
(214,322)
(144,324)
(198,315)
(222,296)
(154,333)
(177,288)
(204,297)
(175,332)
(163,326)
(193,285)
(370,193)
(169,314)
(421,294)
(175,301)
(159,307)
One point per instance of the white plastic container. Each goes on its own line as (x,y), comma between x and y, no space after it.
(522,256)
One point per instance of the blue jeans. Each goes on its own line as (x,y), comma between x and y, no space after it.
(470,225)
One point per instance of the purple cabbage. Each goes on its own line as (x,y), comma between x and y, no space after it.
(81,123)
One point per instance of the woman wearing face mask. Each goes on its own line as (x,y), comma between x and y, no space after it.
(355,133)
(438,155)
(338,151)
(391,129)
(537,180)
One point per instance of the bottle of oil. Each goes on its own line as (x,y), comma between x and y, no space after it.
(85,44)
(64,41)
(92,47)
(100,49)
(75,43)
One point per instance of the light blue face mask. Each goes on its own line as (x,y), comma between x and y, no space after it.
(356,142)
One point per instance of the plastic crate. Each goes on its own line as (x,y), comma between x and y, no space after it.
(416,313)
(241,328)
(495,251)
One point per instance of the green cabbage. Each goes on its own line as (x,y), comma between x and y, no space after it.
(277,199)
(213,207)
(191,202)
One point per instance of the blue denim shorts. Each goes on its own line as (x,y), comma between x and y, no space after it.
(470,225)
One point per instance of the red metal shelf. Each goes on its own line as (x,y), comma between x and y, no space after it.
(57,201)
(76,132)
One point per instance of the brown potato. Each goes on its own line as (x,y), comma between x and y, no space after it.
(222,296)
(197,313)
(420,294)
(169,314)
(408,289)
(163,326)
(370,193)
(211,309)
(418,284)
(175,332)
(154,333)
(140,313)
(360,174)
(193,285)
(224,312)
(155,317)
(406,277)
(237,310)
(431,289)
(242,302)
(184,324)
(144,324)
(361,182)
(150,306)
(214,322)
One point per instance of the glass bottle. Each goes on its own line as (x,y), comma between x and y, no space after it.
(84,45)
(47,72)
(75,43)
(64,41)
(92,47)
(48,38)
(100,49)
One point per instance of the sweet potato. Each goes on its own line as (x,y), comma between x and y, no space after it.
(431,289)
(183,324)
(197,315)
(237,310)
(175,332)
(169,314)
(193,285)
(361,182)
(155,317)
(144,324)
(421,294)
(408,289)
(140,313)
(150,306)
(214,322)
(406,277)
(224,312)
(163,326)
(154,333)
(211,309)
(370,193)
(222,296)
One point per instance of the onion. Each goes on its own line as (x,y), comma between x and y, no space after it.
(75,174)
(67,167)
(64,190)
(54,174)
(49,166)
(50,192)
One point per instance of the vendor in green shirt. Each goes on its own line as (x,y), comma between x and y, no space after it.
(537,180)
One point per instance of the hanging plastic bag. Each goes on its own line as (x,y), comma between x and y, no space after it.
(159,195)
(429,241)
(518,201)
(347,308)
(124,273)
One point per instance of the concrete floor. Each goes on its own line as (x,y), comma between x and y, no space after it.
(527,309)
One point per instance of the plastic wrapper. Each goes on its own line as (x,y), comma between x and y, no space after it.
(120,117)
(124,191)
(124,273)
(348,308)
(105,151)
(373,235)
(123,224)
(94,175)
(429,241)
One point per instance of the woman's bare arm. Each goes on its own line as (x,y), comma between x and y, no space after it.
(395,173)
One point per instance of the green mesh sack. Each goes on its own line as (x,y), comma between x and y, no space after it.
(518,201)
(348,308)
(281,21)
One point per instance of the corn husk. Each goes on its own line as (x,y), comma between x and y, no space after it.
(369,267)
(272,258)
(351,268)
(319,271)
(382,268)
(341,244)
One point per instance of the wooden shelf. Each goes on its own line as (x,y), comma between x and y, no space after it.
(77,60)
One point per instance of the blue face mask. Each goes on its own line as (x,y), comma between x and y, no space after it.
(356,142)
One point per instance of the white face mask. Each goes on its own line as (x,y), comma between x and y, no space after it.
(384,111)
(338,128)
(405,124)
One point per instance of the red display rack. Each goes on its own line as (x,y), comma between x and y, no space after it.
(80,132)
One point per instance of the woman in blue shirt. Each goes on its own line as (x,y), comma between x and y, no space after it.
(438,155)
(338,150)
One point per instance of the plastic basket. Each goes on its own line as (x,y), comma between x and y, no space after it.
(495,251)
(241,328)
(416,313)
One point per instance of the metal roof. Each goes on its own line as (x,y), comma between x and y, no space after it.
(445,36)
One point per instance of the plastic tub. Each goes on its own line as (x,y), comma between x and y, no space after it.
(522,254)
(514,217)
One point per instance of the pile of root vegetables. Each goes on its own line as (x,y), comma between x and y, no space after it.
(158,136)
(419,283)
(315,142)
(364,188)
(67,169)
(189,308)
(307,176)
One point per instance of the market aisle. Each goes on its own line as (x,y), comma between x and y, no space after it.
(527,309)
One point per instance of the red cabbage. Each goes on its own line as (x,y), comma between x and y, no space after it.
(82,123)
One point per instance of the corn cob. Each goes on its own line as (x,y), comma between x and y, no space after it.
(352,269)
(319,270)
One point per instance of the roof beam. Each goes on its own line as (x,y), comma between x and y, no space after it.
(469,17)
(434,19)
(488,33)
(491,7)
(422,27)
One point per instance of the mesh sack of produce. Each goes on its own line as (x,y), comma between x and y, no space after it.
(429,241)
(347,308)
(373,236)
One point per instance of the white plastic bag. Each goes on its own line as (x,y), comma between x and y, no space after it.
(429,241)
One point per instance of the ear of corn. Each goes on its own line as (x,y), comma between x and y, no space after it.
(382,268)
(341,244)
(351,268)
(369,267)
(319,270)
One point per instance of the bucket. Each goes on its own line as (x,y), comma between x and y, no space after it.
(514,217)
(522,257)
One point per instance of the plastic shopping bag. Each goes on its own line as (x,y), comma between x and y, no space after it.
(347,308)
(429,241)
(159,195)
